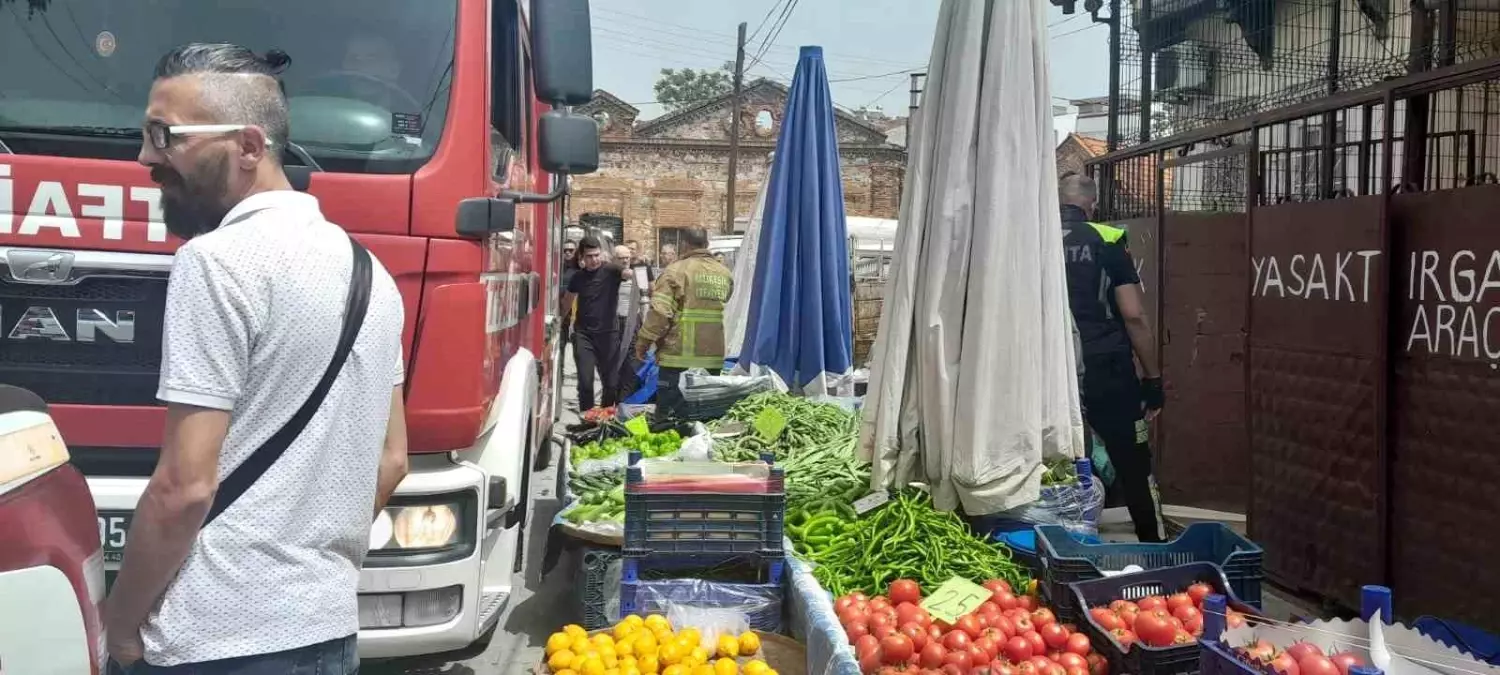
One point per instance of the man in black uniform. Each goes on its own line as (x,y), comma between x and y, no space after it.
(596,286)
(1104,292)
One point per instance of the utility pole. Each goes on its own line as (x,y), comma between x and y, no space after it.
(734,130)
(916,100)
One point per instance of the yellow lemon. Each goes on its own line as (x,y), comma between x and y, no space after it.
(557,642)
(670,653)
(634,620)
(657,622)
(648,665)
(612,671)
(603,640)
(565,671)
(771,671)
(575,630)
(611,662)
(630,670)
(727,647)
(560,660)
(703,669)
(626,648)
(578,661)
(756,667)
(726,667)
(581,645)
(700,656)
(593,666)
(674,670)
(749,643)
(623,630)
(691,635)
(645,641)
(609,651)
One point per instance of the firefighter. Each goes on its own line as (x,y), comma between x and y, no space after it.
(1105,294)
(686,319)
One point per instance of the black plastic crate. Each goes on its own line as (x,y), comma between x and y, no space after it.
(1142,659)
(705,523)
(752,568)
(1067,560)
(592,588)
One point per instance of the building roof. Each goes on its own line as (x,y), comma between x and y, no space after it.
(781,90)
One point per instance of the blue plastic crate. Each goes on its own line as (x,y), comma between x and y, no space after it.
(1477,643)
(698,523)
(1067,560)
(762,603)
(1022,545)
(1141,659)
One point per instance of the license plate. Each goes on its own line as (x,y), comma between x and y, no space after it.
(113,525)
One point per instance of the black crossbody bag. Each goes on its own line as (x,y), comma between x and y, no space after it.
(238,481)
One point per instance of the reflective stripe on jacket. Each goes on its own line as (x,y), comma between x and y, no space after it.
(686,319)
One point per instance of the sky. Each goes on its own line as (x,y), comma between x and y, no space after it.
(870,46)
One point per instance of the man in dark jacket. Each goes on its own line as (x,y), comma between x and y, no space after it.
(1105,295)
(596,286)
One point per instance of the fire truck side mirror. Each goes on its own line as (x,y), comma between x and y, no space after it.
(480,217)
(568,143)
(562,51)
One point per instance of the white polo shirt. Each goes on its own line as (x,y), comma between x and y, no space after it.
(254,311)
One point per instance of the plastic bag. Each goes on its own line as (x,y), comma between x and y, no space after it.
(697,448)
(695,603)
(708,397)
(1075,506)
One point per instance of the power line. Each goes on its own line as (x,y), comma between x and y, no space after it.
(1076,30)
(655,24)
(763,19)
(893,73)
(776,28)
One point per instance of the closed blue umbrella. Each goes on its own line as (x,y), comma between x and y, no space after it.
(799,318)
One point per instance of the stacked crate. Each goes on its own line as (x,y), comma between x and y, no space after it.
(680,546)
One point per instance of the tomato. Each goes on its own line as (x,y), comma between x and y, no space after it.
(844,603)
(871,662)
(969,624)
(1054,635)
(1075,670)
(1194,625)
(1151,602)
(865,644)
(1301,649)
(1027,602)
(1043,616)
(857,630)
(934,634)
(1233,619)
(1123,605)
(852,613)
(1344,661)
(1285,664)
(1098,665)
(1038,645)
(1017,649)
(1177,600)
(1127,617)
(861,597)
(1026,668)
(1199,591)
(916,633)
(996,585)
(932,655)
(954,669)
(956,640)
(1317,664)
(1182,637)
(977,655)
(882,630)
(1069,659)
(1106,619)
(1079,644)
(1047,666)
(1124,637)
(1005,599)
(881,619)
(897,648)
(998,667)
(1003,625)
(1260,651)
(960,659)
(1186,613)
(907,612)
(1070,628)
(905,590)
(989,646)
(1021,621)
(1155,629)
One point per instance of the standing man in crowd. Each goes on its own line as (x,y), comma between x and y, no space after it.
(596,287)
(1104,292)
(225,572)
(565,308)
(667,257)
(686,319)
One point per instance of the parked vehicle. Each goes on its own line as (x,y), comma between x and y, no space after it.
(438,133)
(52,565)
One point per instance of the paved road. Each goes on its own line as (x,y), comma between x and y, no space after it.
(539,608)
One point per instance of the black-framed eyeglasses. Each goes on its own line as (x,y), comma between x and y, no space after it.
(163,136)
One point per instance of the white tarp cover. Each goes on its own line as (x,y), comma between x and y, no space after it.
(973,368)
(737,310)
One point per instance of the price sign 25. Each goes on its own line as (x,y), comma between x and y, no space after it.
(955,598)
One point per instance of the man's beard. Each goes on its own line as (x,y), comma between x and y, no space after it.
(192,206)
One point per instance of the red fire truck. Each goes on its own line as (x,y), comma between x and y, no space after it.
(438,132)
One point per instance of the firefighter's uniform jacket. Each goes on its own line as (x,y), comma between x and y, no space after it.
(686,320)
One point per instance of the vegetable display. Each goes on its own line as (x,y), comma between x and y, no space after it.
(1059,472)
(601,497)
(903,538)
(809,426)
(650,445)
(1158,621)
(649,646)
(1008,634)
(1301,658)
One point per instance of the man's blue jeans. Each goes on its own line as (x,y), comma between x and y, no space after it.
(335,657)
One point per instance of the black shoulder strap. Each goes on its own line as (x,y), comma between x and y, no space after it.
(238,481)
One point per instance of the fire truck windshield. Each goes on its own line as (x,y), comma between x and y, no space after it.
(368,82)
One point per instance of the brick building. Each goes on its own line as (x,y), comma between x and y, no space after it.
(670,172)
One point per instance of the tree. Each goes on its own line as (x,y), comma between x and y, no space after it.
(679,88)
